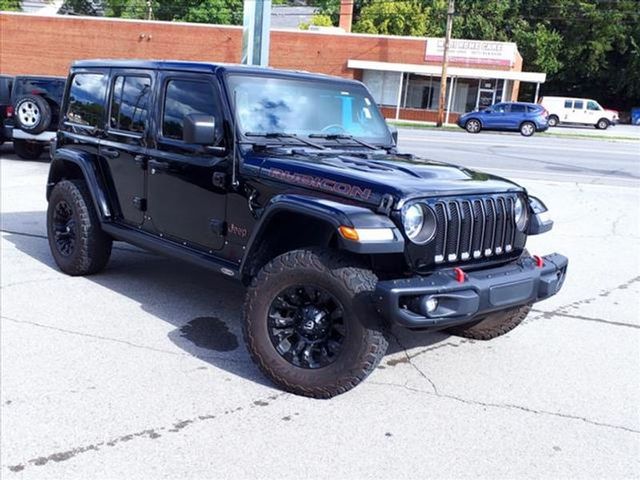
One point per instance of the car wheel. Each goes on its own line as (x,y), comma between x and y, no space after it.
(602,124)
(493,325)
(77,243)
(473,126)
(28,150)
(527,129)
(553,121)
(32,114)
(309,323)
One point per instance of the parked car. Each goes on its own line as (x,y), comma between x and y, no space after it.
(527,118)
(6,109)
(291,183)
(578,111)
(35,114)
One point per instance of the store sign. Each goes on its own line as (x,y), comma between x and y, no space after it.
(472,52)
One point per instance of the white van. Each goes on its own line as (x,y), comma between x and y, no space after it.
(578,111)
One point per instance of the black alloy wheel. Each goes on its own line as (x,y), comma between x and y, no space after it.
(306,326)
(64,228)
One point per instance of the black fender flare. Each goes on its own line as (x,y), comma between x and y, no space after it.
(88,164)
(335,214)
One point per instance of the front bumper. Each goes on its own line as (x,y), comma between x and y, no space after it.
(405,301)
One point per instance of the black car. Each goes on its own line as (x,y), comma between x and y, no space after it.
(35,114)
(6,109)
(292,184)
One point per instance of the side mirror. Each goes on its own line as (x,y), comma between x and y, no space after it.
(394,133)
(199,129)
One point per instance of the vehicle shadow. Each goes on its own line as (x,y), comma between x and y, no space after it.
(204,307)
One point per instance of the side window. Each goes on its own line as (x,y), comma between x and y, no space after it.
(86,99)
(591,105)
(515,108)
(568,104)
(578,105)
(130,103)
(182,98)
(498,108)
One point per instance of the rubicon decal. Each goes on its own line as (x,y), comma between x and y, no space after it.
(321,183)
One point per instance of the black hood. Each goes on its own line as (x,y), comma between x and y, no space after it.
(367,177)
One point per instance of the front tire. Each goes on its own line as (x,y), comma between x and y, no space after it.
(309,324)
(28,150)
(77,243)
(493,325)
(602,124)
(473,126)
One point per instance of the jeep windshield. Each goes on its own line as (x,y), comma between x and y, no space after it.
(332,112)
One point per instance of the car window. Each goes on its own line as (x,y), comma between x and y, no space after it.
(498,107)
(86,99)
(184,97)
(533,109)
(517,108)
(130,103)
(52,88)
(591,105)
(578,105)
(568,104)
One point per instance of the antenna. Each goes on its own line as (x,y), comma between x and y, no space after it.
(234,179)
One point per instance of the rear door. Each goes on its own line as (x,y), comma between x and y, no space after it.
(124,146)
(579,112)
(515,116)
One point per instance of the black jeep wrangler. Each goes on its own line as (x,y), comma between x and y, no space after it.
(34,115)
(292,184)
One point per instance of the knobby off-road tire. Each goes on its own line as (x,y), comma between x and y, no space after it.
(493,325)
(77,243)
(363,344)
(28,150)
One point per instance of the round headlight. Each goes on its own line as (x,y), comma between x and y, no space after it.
(419,223)
(520,212)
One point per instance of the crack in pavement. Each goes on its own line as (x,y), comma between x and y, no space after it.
(508,406)
(415,367)
(150,433)
(124,342)
(44,237)
(548,315)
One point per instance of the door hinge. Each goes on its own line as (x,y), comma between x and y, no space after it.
(141,161)
(140,203)
(219,179)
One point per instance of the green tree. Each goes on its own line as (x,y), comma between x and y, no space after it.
(318,20)
(10,5)
(399,18)
(222,12)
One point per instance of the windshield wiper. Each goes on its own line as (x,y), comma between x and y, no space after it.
(278,135)
(343,136)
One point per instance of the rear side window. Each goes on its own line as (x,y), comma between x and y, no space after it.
(568,104)
(578,105)
(86,99)
(182,98)
(5,90)
(515,108)
(130,103)
(52,88)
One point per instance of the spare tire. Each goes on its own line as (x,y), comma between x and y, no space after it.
(32,114)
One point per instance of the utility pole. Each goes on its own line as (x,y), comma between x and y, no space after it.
(149,10)
(255,32)
(445,59)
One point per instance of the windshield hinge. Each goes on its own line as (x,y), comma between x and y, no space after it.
(386,203)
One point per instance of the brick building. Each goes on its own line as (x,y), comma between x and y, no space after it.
(403,73)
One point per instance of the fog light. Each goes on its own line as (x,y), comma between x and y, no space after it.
(431,305)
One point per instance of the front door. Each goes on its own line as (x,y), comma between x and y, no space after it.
(486,98)
(124,147)
(186,183)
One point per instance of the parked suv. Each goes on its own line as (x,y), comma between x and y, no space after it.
(292,184)
(578,111)
(35,114)
(6,83)
(527,118)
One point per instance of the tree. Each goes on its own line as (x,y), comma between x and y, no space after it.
(318,20)
(10,5)
(222,12)
(399,18)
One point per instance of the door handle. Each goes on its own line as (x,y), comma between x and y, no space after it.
(110,152)
(158,166)
(141,161)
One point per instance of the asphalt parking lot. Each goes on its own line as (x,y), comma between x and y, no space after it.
(140,371)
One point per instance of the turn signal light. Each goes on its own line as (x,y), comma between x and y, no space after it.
(349,233)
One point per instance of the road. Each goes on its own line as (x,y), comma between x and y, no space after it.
(591,161)
(139,372)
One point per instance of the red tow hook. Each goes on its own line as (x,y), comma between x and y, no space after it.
(460,275)
(539,261)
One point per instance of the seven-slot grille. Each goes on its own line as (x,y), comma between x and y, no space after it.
(474,228)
